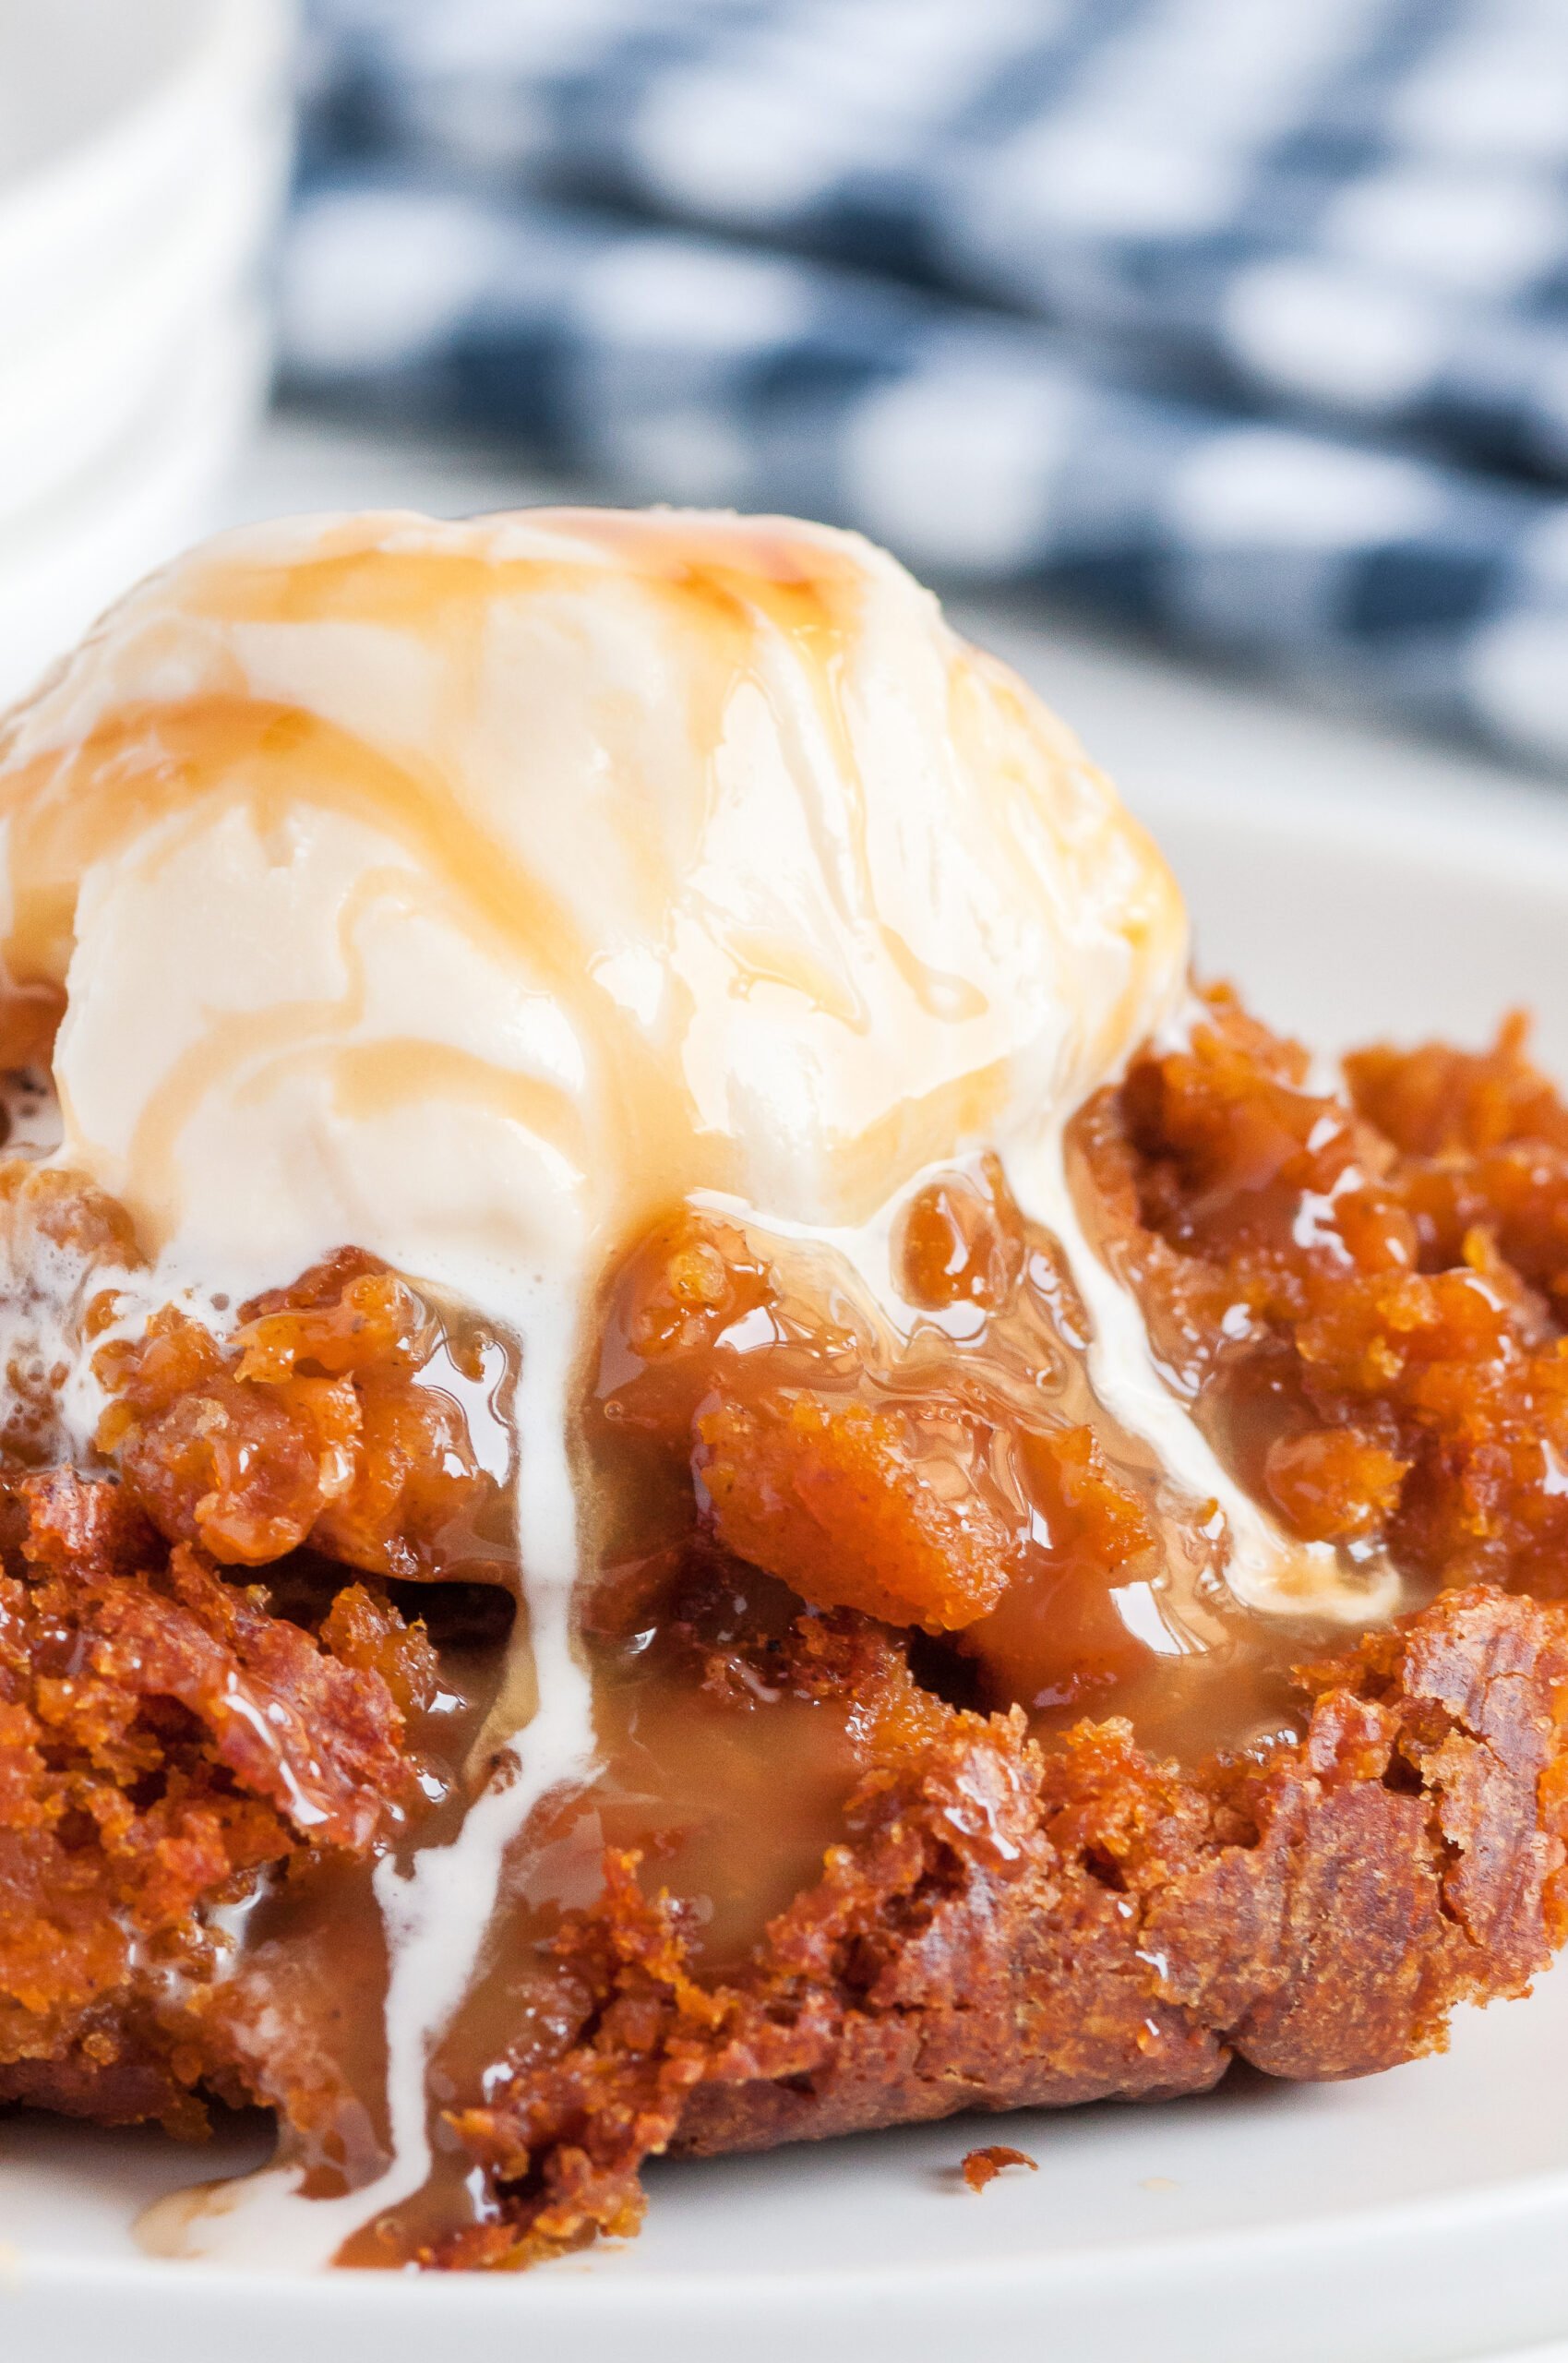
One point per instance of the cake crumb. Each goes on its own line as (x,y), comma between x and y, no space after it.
(981,2166)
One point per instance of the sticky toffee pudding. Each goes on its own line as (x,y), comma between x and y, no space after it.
(690,1457)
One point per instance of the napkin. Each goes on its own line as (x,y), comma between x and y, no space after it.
(1242,322)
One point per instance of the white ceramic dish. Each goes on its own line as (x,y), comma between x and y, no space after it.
(74,391)
(143,145)
(1420,2217)
(62,561)
(111,113)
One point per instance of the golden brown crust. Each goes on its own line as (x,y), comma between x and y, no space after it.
(1006,1928)
(1008,1921)
(163,1736)
(1379,1281)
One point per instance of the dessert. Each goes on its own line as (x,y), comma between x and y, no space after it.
(691,1459)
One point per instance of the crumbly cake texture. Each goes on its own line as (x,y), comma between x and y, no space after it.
(163,1735)
(1006,1928)
(1009,1916)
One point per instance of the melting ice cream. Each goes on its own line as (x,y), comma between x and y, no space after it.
(474,891)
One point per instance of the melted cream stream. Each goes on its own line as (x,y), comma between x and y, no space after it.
(1264,1568)
(437,1914)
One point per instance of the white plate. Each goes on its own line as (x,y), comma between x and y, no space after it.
(1418,2217)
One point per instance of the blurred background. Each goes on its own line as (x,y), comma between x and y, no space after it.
(1214,354)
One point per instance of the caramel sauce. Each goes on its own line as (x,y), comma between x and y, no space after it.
(731,1801)
(1112,1590)
(304,2001)
(730,1785)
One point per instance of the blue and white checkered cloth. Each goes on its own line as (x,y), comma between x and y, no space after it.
(1244,320)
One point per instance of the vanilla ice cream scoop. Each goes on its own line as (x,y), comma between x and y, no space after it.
(473,890)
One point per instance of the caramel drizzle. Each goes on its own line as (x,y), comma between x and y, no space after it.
(129,781)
